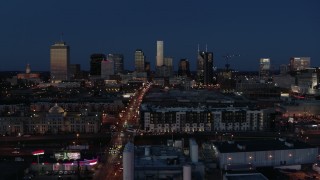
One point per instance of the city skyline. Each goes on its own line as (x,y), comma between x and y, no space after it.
(278,30)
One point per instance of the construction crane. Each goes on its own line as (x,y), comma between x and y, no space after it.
(227,57)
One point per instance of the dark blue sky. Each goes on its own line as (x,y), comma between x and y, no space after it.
(277,29)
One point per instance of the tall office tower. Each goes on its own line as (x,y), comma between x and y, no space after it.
(159,53)
(205,67)
(168,62)
(264,68)
(118,62)
(59,62)
(95,64)
(75,70)
(184,68)
(208,73)
(200,68)
(299,63)
(147,67)
(107,68)
(139,59)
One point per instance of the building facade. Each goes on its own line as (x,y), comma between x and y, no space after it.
(95,64)
(184,68)
(75,71)
(107,69)
(205,68)
(307,82)
(59,62)
(139,60)
(118,62)
(46,118)
(299,63)
(263,153)
(183,119)
(159,56)
(264,68)
(28,75)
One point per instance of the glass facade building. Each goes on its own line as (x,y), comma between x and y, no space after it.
(139,60)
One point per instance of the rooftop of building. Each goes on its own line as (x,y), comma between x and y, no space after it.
(247,176)
(192,95)
(260,145)
(192,98)
(171,107)
(159,157)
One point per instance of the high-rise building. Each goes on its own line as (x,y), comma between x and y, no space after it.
(184,69)
(264,68)
(299,63)
(118,62)
(200,68)
(95,64)
(205,67)
(107,69)
(59,62)
(159,53)
(75,70)
(147,67)
(139,60)
(168,62)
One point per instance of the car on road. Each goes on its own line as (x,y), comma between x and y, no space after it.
(131,130)
(15,152)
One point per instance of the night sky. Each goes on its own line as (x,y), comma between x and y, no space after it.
(278,29)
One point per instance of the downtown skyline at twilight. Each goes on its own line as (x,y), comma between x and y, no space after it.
(277,30)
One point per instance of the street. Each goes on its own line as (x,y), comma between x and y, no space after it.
(112,168)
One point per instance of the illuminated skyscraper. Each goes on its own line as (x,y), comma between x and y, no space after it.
(299,63)
(205,67)
(139,60)
(264,68)
(159,56)
(59,62)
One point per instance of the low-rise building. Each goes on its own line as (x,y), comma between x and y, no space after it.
(56,120)
(161,162)
(233,155)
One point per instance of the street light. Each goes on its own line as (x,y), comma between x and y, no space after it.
(78,137)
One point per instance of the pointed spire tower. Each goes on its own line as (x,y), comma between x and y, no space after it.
(28,69)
